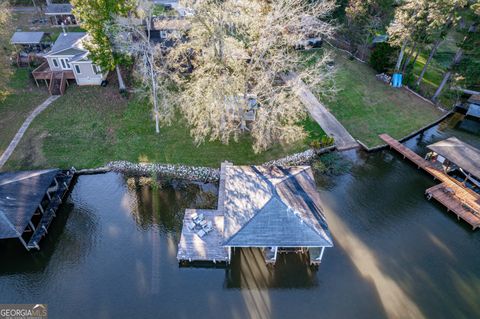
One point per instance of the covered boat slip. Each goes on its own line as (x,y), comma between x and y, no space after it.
(28,202)
(462,155)
(453,194)
(275,209)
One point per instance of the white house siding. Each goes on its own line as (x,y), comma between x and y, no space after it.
(87,76)
(52,66)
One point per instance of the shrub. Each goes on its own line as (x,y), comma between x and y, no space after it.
(383,57)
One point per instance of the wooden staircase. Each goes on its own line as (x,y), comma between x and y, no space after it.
(57,84)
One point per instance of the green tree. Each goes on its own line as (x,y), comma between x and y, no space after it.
(5,27)
(445,15)
(465,66)
(365,18)
(382,57)
(95,16)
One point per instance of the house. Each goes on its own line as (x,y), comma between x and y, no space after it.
(68,60)
(59,13)
(275,209)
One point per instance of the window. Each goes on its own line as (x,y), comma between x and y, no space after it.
(77,69)
(55,62)
(65,64)
(96,69)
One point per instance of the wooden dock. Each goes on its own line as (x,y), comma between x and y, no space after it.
(457,198)
(210,247)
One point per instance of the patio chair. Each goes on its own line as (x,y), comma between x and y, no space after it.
(208,227)
(201,233)
(197,218)
(191,225)
(202,223)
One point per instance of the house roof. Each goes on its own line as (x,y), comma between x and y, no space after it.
(462,154)
(380,38)
(273,206)
(68,41)
(170,23)
(58,8)
(20,195)
(27,37)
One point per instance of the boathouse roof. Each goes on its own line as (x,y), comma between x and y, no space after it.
(462,154)
(20,195)
(273,206)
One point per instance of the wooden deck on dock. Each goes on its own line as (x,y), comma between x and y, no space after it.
(457,198)
(210,247)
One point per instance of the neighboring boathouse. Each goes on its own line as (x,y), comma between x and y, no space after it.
(29,201)
(459,193)
(275,209)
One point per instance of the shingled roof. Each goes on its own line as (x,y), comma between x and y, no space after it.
(20,195)
(462,154)
(273,206)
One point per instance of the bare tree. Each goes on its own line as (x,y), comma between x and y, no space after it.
(238,51)
(132,36)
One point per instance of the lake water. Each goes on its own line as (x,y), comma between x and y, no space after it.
(111,253)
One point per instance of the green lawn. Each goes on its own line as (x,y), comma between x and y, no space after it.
(90,126)
(368,107)
(17,106)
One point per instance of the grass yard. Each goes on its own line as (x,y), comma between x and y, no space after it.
(368,107)
(17,106)
(90,126)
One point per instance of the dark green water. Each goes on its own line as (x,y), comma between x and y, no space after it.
(111,254)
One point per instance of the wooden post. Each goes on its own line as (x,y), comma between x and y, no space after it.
(31,225)
(275,254)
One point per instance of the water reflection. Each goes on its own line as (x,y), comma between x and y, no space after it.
(248,270)
(81,225)
(162,204)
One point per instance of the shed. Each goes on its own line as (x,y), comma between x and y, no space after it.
(460,153)
(60,13)
(58,9)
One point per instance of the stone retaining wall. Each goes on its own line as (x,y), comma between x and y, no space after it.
(194,173)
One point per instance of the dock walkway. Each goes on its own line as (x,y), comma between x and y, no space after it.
(451,193)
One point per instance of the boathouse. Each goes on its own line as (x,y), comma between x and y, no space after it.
(456,195)
(29,201)
(276,209)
